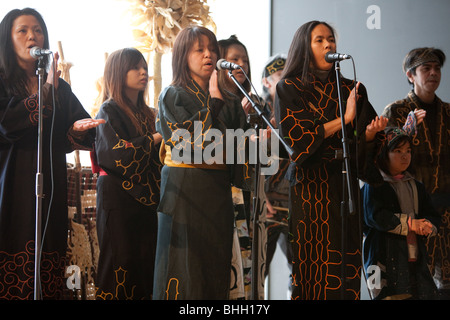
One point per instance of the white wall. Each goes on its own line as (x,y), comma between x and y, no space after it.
(376,33)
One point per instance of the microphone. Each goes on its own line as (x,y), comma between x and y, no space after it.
(222,64)
(332,57)
(37,52)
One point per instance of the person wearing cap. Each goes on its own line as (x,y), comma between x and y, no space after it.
(276,186)
(430,142)
(270,77)
(398,217)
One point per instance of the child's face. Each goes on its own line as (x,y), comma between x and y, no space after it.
(202,60)
(399,159)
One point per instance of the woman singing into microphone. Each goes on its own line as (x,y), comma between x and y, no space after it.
(310,121)
(66,127)
(195,214)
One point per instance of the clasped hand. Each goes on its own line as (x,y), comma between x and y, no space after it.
(421,227)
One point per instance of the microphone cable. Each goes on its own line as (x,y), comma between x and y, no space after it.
(359,206)
(52,182)
(254,89)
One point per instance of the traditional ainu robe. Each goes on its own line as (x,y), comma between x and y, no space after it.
(196,211)
(387,207)
(317,184)
(127,198)
(431,166)
(18,167)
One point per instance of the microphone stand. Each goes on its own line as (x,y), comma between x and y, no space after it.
(256,123)
(39,187)
(347,204)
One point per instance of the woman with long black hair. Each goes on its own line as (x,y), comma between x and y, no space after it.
(310,121)
(66,127)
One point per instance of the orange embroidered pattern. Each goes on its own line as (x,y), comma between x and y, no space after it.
(172,289)
(431,149)
(136,168)
(315,217)
(318,259)
(17,274)
(121,292)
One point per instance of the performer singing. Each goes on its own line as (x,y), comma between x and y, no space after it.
(66,127)
(234,51)
(310,121)
(127,154)
(195,215)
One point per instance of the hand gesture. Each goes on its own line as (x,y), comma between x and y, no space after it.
(376,125)
(246,105)
(420,115)
(86,124)
(421,227)
(54,73)
(214,86)
(350,112)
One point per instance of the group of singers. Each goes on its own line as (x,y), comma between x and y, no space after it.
(165,227)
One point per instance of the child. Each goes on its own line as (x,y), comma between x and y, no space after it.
(399,216)
(127,158)
(195,215)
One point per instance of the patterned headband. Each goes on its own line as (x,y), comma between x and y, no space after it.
(408,130)
(274,66)
(394,135)
(427,56)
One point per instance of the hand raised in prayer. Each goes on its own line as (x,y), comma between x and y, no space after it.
(54,73)
(376,125)
(420,115)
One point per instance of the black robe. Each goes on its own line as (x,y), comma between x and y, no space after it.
(317,187)
(431,166)
(389,251)
(196,214)
(18,163)
(127,198)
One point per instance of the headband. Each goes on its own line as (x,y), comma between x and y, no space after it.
(274,66)
(425,57)
(408,130)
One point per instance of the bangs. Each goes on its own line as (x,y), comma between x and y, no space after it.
(196,37)
(183,44)
(133,58)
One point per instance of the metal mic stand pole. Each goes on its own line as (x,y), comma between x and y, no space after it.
(347,204)
(256,206)
(39,188)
